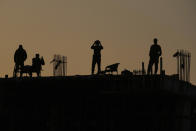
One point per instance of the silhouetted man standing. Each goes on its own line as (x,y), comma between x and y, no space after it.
(155,53)
(97,47)
(19,57)
(37,63)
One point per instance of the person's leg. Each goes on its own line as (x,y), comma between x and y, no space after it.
(150,67)
(99,64)
(30,73)
(31,70)
(17,67)
(16,70)
(38,74)
(39,71)
(22,65)
(21,68)
(21,71)
(156,66)
(93,65)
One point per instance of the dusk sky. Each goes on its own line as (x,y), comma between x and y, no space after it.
(126,29)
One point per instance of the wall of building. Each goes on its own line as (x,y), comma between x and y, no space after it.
(112,103)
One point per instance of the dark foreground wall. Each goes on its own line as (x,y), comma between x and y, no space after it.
(104,103)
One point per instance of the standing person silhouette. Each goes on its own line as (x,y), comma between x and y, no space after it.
(97,47)
(155,53)
(19,57)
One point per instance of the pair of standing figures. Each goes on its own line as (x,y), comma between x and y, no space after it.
(155,53)
(19,58)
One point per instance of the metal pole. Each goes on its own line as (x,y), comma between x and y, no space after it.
(186,66)
(66,65)
(143,69)
(183,68)
(182,65)
(59,66)
(178,63)
(189,65)
(63,66)
(185,61)
(161,65)
(54,65)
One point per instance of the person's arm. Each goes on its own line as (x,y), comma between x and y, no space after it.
(25,55)
(92,47)
(42,61)
(15,57)
(150,52)
(101,46)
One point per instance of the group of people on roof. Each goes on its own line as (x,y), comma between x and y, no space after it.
(155,53)
(20,56)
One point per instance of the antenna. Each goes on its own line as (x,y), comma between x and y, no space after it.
(183,64)
(59,65)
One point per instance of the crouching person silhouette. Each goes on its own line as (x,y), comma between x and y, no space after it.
(97,47)
(36,66)
(19,57)
(37,63)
